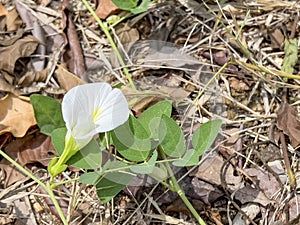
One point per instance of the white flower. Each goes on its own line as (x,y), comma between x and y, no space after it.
(89,109)
(93,108)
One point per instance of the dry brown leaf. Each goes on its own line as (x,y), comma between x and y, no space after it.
(3,10)
(208,193)
(144,103)
(16,116)
(277,39)
(32,76)
(106,8)
(211,168)
(11,174)
(288,122)
(127,34)
(22,48)
(6,87)
(8,40)
(38,149)
(26,150)
(66,79)
(265,180)
(73,55)
(175,93)
(13,22)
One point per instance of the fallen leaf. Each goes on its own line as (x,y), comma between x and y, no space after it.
(265,180)
(248,194)
(277,39)
(34,24)
(205,191)
(294,206)
(6,87)
(7,40)
(127,34)
(66,79)
(3,10)
(54,38)
(73,55)
(288,122)
(176,93)
(22,48)
(35,148)
(211,168)
(16,115)
(251,210)
(106,8)
(13,22)
(33,76)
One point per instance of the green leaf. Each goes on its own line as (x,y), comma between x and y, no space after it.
(90,178)
(89,157)
(58,139)
(291,55)
(191,158)
(111,184)
(115,177)
(173,141)
(151,118)
(159,173)
(47,112)
(146,167)
(143,7)
(156,111)
(126,5)
(205,135)
(132,140)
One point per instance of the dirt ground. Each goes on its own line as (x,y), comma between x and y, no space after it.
(230,60)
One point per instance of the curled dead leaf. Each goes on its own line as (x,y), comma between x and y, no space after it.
(288,122)
(73,55)
(16,115)
(13,22)
(7,40)
(6,87)
(22,48)
(26,150)
(105,8)
(66,79)
(30,77)
(3,10)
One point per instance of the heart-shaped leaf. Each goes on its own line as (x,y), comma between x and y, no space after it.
(47,112)
(205,135)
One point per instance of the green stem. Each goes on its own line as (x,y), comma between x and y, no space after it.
(176,187)
(47,187)
(111,41)
(54,185)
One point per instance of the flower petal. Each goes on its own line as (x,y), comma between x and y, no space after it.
(92,108)
(114,111)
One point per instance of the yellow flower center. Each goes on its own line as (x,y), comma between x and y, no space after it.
(97,112)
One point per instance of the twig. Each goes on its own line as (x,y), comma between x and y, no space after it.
(111,41)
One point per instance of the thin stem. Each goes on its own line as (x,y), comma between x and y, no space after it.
(47,187)
(111,41)
(179,191)
(54,185)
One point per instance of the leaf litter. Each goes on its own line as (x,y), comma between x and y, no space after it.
(241,175)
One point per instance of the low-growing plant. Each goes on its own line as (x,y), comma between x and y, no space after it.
(145,145)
